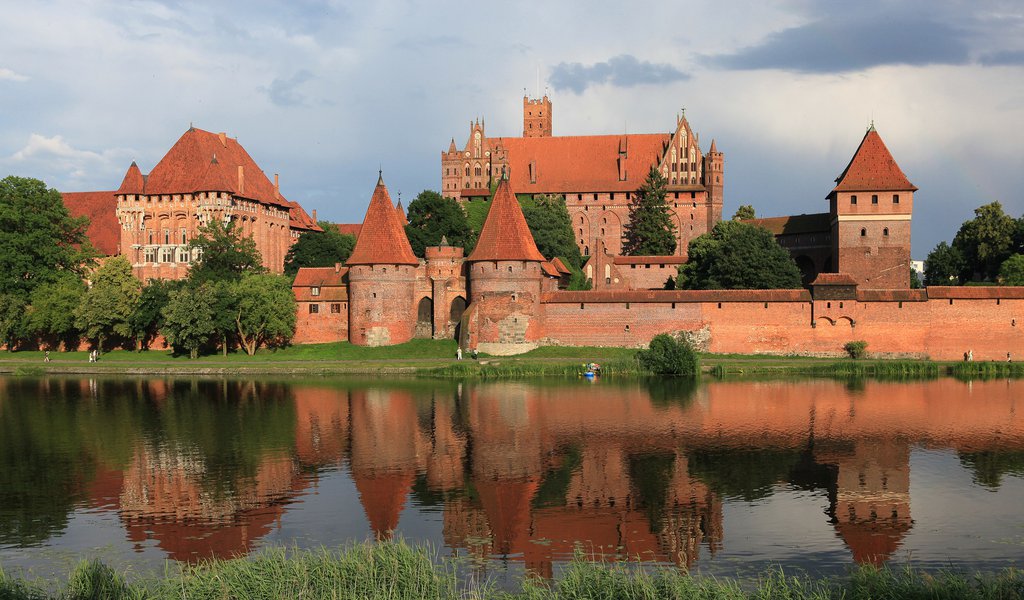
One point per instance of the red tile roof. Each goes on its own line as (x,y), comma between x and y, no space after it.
(104,229)
(550,270)
(834,279)
(505,235)
(382,239)
(298,218)
(892,295)
(872,168)
(320,277)
(134,182)
(649,260)
(560,266)
(576,164)
(349,228)
(677,296)
(975,292)
(401,214)
(179,170)
(795,224)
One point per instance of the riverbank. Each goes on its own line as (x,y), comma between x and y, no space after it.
(395,570)
(436,358)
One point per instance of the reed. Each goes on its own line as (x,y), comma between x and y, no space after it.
(986,370)
(514,369)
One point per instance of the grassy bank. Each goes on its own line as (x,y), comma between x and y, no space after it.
(398,571)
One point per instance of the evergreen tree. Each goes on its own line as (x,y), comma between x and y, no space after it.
(650,230)
(319,249)
(744,212)
(737,255)
(107,308)
(551,227)
(224,253)
(433,217)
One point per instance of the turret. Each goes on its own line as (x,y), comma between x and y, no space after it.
(505,278)
(714,183)
(536,117)
(381,277)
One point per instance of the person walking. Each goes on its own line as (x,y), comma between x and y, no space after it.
(458,353)
(46,357)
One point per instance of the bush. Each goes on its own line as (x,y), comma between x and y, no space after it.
(856,349)
(668,355)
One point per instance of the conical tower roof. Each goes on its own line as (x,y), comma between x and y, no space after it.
(872,168)
(382,239)
(401,214)
(505,235)
(134,182)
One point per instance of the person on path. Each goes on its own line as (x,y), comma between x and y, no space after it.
(46,358)
(970,356)
(458,353)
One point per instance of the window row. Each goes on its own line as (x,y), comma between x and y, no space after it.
(874,199)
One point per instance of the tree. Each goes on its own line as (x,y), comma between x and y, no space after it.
(147,319)
(189,318)
(225,306)
(432,217)
(12,320)
(107,308)
(224,253)
(915,280)
(737,255)
(549,222)
(39,240)
(1011,272)
(943,265)
(650,230)
(668,355)
(265,312)
(319,249)
(744,212)
(985,242)
(51,314)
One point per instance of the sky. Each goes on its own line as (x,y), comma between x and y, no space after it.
(325,93)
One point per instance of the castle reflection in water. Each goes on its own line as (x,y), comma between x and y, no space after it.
(526,471)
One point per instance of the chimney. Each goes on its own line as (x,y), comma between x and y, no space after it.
(337,267)
(223,139)
(277,187)
(241,180)
(314,216)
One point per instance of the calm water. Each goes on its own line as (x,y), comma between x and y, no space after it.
(726,478)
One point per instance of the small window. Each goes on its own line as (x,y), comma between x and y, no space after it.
(595,196)
(885,232)
(627,306)
(863,232)
(581,306)
(895,198)
(853,199)
(579,196)
(314,291)
(874,198)
(314,309)
(335,309)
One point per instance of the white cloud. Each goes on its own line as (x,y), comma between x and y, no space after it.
(9,75)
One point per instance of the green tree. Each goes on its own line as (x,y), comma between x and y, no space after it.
(225,306)
(737,255)
(745,211)
(549,222)
(265,311)
(650,230)
(985,242)
(107,308)
(1011,272)
(943,265)
(39,240)
(319,249)
(224,253)
(12,320)
(51,315)
(189,318)
(669,355)
(432,217)
(147,318)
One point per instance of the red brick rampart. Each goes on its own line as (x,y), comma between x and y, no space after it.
(941,323)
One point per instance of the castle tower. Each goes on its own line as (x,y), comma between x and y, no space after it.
(381,277)
(536,117)
(448,287)
(714,183)
(871,207)
(505,278)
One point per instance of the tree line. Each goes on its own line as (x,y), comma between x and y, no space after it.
(986,249)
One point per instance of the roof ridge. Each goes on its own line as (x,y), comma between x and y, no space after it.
(382,239)
(505,234)
(872,168)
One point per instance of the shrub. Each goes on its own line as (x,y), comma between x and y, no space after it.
(857,349)
(668,355)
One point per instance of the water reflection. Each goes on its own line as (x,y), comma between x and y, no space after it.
(522,471)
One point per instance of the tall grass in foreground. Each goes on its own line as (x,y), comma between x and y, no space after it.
(498,369)
(881,369)
(986,370)
(398,571)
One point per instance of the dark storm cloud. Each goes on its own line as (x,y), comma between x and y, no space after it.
(282,92)
(1002,59)
(842,44)
(621,71)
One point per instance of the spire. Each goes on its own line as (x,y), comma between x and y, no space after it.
(505,235)
(872,168)
(401,212)
(451,147)
(714,148)
(382,239)
(133,182)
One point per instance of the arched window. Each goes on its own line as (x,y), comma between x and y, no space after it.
(885,232)
(863,232)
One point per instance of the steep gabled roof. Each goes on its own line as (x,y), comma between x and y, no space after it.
(320,277)
(382,239)
(872,168)
(211,179)
(349,228)
(298,218)
(180,170)
(795,224)
(134,182)
(104,229)
(505,235)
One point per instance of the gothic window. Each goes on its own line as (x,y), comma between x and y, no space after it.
(863,232)
(167,255)
(167,236)
(182,254)
(885,232)
(467,170)
(477,170)
(184,236)
(150,255)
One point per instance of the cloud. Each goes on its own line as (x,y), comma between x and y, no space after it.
(67,164)
(621,71)
(1002,59)
(9,75)
(282,92)
(53,146)
(844,44)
